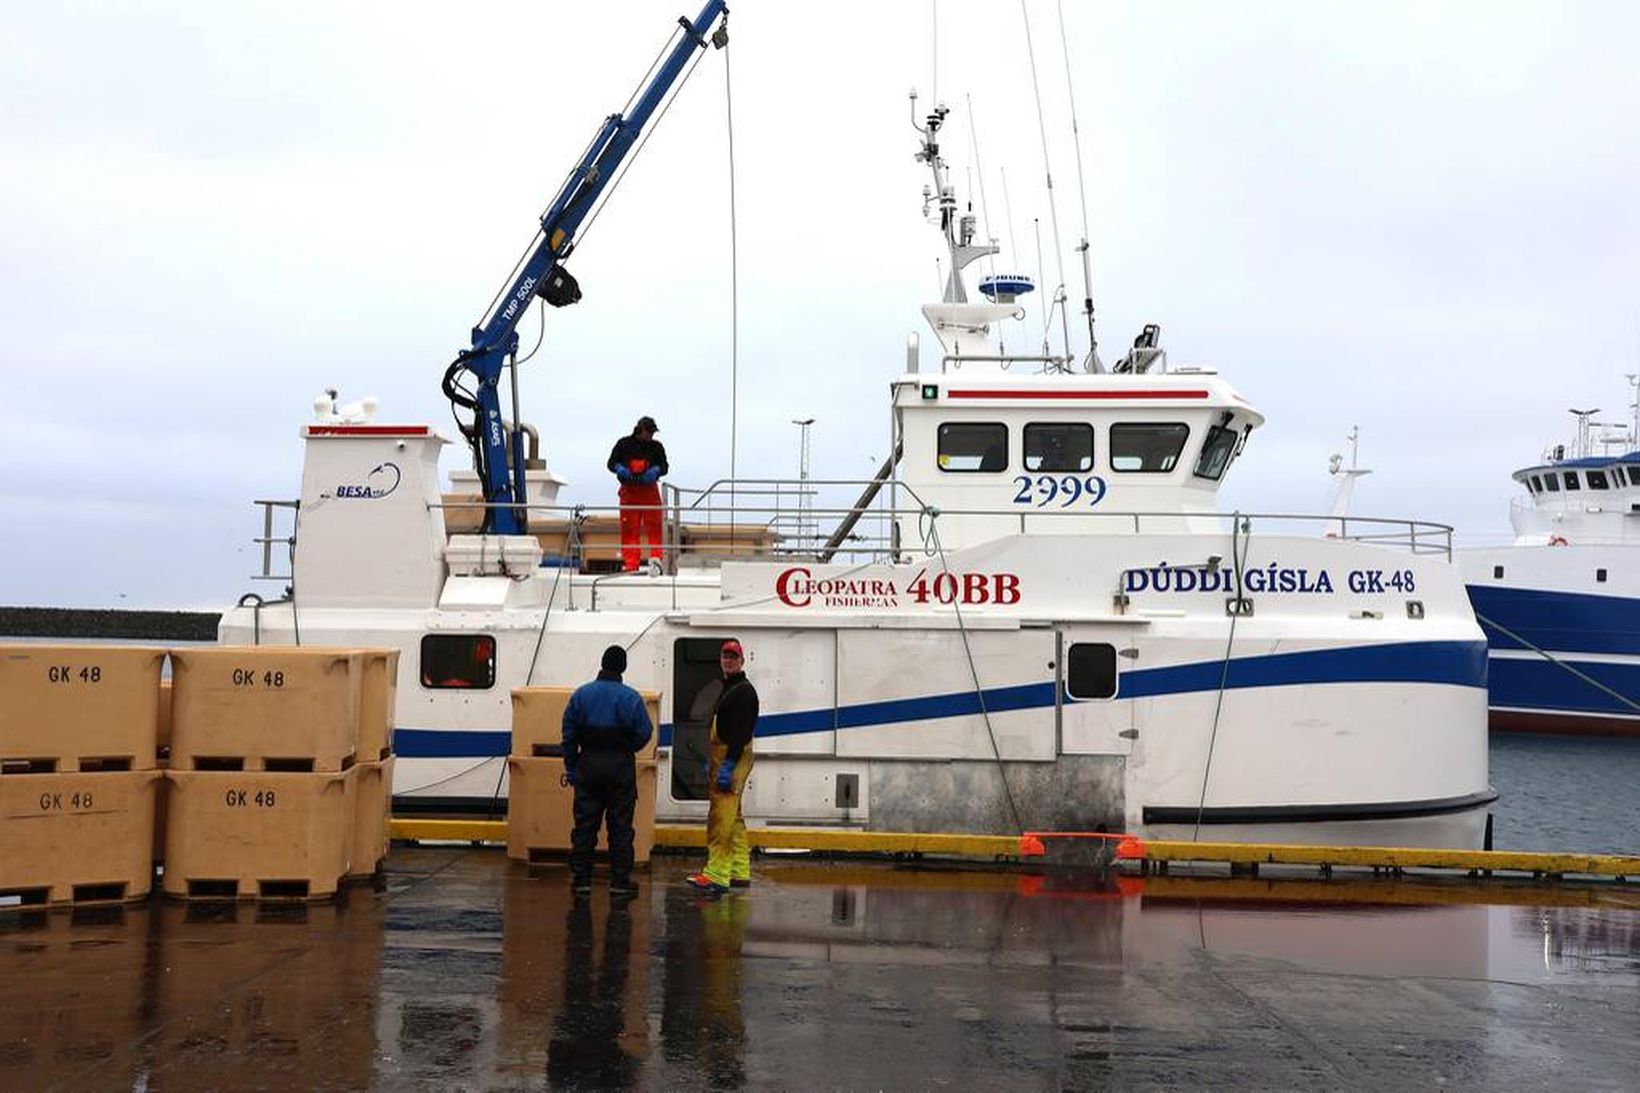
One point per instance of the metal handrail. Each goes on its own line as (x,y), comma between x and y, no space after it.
(814,541)
(268,538)
(1054,363)
(1418,536)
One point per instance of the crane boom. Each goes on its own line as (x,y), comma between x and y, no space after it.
(542,274)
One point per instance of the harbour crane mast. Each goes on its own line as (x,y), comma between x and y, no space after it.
(498,453)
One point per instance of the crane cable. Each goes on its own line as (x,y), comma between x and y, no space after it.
(734,294)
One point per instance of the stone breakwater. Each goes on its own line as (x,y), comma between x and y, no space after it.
(107,624)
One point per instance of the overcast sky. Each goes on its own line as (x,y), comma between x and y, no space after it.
(1417,218)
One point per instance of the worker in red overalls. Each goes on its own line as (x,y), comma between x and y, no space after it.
(639,461)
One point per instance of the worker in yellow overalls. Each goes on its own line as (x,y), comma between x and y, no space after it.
(734,723)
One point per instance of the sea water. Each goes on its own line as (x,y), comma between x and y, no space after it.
(1566,793)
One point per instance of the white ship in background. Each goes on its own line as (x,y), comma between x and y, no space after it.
(1034,618)
(1561,605)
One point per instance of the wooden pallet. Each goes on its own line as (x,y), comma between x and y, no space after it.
(70,764)
(68,894)
(261,889)
(266,764)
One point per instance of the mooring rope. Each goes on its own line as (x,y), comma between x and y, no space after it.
(932,515)
(1237,529)
(1557,662)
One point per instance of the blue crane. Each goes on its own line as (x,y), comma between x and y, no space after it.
(498,454)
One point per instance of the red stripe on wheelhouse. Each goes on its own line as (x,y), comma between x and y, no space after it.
(996,392)
(367,430)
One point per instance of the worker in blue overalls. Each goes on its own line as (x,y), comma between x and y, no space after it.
(605,726)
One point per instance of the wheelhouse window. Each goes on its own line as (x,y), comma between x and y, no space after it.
(1634,476)
(970,446)
(1551,483)
(1216,453)
(1059,447)
(1146,447)
(1090,670)
(1571,480)
(1597,480)
(464,661)
(1537,484)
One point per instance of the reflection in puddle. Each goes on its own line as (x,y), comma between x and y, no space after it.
(472,973)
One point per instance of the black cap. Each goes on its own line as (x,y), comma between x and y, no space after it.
(646,422)
(614,660)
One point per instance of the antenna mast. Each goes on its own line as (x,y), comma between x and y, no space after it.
(805,500)
(1634,409)
(958,228)
(1583,416)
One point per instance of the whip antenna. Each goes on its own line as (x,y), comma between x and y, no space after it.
(1047,173)
(979,169)
(1093,364)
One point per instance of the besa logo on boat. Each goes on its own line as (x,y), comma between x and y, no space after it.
(380,482)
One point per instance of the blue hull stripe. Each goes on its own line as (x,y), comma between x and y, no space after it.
(1561,622)
(1538,685)
(1457,663)
(451,743)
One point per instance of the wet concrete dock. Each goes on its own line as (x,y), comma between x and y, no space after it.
(464,972)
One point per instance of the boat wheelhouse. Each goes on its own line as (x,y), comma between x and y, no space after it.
(1561,604)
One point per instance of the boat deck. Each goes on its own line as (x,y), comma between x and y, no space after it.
(460,970)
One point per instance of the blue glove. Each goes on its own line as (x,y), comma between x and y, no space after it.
(569,776)
(651,476)
(726,776)
(622,473)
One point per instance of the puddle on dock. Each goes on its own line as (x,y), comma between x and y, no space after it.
(465,972)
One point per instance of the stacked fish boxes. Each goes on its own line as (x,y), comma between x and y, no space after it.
(78,730)
(378,699)
(540,800)
(280,770)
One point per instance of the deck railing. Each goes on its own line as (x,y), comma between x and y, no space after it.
(779,519)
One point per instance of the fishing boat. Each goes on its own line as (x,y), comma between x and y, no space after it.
(1034,617)
(1561,604)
